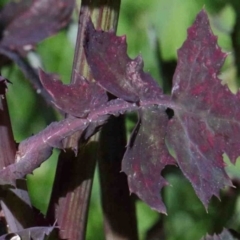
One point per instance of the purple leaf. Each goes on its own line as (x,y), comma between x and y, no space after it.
(206,115)
(205,123)
(34,233)
(28,22)
(12,10)
(207,119)
(38,148)
(147,155)
(76,99)
(114,70)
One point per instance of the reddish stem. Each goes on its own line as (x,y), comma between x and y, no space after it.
(72,208)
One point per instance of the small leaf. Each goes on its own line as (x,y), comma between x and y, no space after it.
(147,155)
(76,99)
(34,233)
(33,151)
(114,70)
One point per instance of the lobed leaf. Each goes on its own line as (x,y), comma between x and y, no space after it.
(33,151)
(207,117)
(114,70)
(76,99)
(205,123)
(147,155)
(123,77)
(38,148)
(34,233)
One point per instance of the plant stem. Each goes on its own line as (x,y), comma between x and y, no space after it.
(72,209)
(75,178)
(7,144)
(15,203)
(118,206)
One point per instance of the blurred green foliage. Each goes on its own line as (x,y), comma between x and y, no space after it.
(143,22)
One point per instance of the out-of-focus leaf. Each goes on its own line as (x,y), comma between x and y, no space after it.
(29,72)
(114,70)
(76,99)
(224,235)
(25,23)
(34,233)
